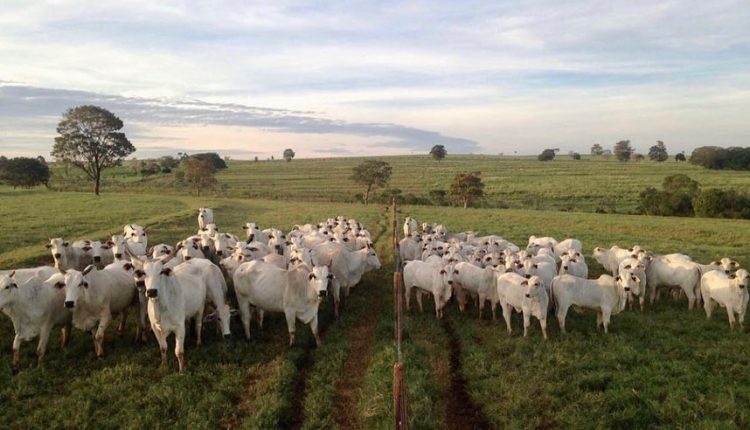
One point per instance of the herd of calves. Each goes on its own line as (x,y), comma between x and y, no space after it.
(550,275)
(93,281)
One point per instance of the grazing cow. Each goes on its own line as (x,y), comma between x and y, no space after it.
(173,297)
(296,293)
(35,307)
(476,281)
(136,238)
(667,271)
(428,279)
(410,227)
(205,217)
(93,296)
(606,295)
(730,291)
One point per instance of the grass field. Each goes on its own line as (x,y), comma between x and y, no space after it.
(514,182)
(665,368)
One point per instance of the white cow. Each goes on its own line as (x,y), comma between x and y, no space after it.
(730,291)
(348,269)
(410,227)
(20,276)
(567,245)
(610,258)
(174,296)
(205,217)
(161,250)
(574,266)
(35,307)
(254,233)
(429,279)
(535,303)
(296,293)
(216,288)
(606,295)
(408,248)
(94,296)
(636,265)
(478,282)
(136,238)
(666,271)
(511,293)
(66,256)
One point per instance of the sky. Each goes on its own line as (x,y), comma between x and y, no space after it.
(343,78)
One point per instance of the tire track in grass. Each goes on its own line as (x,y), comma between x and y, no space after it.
(462,412)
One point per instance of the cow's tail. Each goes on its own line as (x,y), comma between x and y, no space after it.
(697,287)
(552,293)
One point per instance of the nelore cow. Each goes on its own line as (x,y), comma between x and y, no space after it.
(606,295)
(730,291)
(428,279)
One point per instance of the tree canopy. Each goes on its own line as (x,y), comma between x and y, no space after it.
(546,155)
(213,158)
(371,174)
(597,150)
(658,152)
(438,152)
(623,150)
(288,154)
(467,187)
(89,138)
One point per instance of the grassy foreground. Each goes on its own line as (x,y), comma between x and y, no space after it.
(665,368)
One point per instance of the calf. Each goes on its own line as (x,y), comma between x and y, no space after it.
(730,291)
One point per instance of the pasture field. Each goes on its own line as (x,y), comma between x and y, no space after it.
(664,368)
(515,182)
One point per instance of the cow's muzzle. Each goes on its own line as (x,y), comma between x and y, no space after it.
(57,255)
(140,284)
(528,296)
(627,289)
(97,259)
(118,256)
(322,293)
(152,293)
(69,304)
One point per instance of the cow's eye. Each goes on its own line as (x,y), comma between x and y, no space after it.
(132,234)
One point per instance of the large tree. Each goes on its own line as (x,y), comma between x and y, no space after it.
(200,173)
(90,140)
(288,154)
(658,152)
(597,150)
(623,150)
(467,187)
(438,152)
(371,174)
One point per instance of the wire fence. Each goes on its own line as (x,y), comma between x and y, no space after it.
(399,386)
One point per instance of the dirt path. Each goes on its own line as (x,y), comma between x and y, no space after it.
(348,387)
(462,412)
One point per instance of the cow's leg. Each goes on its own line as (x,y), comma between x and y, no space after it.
(461,298)
(652,294)
(244,306)
(336,290)
(17,350)
(598,319)
(43,338)
(199,328)
(606,313)
(65,335)
(708,306)
(642,300)
(314,329)
(162,339)
(690,297)
(481,305)
(179,346)
(419,300)
(526,323)
(506,314)
(494,315)
(260,314)
(730,314)
(99,336)
(123,319)
(290,325)
(407,296)
(562,312)
(543,323)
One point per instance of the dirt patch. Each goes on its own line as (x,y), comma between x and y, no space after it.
(298,395)
(462,412)
(349,386)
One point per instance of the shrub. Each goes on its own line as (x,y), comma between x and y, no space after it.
(717,203)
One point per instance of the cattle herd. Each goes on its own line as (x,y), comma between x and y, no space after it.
(167,287)
(550,276)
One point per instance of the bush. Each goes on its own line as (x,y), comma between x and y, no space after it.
(439,197)
(546,155)
(714,157)
(676,198)
(24,172)
(212,158)
(716,203)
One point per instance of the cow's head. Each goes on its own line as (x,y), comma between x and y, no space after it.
(318,279)
(76,285)
(533,288)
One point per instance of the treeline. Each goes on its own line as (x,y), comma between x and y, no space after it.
(715,157)
(24,172)
(682,196)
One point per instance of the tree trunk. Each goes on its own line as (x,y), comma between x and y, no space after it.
(367,194)
(96,182)
(466,202)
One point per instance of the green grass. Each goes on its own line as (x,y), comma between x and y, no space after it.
(516,182)
(664,368)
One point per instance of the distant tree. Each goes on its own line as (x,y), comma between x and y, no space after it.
(681,183)
(89,139)
(256,159)
(546,155)
(623,150)
(574,155)
(439,197)
(607,154)
(149,168)
(680,156)
(637,157)
(181,156)
(467,187)
(24,172)
(658,152)
(200,173)
(288,154)
(438,152)
(272,158)
(371,174)
(212,158)
(168,162)
(597,150)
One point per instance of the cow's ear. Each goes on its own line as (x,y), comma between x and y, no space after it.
(330,276)
(732,276)
(88,269)
(127,266)
(139,273)
(11,274)
(166,271)
(48,246)
(628,266)
(86,248)
(715,263)
(734,264)
(455,272)
(525,283)
(536,266)
(442,272)
(311,276)
(65,244)
(59,285)
(244,227)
